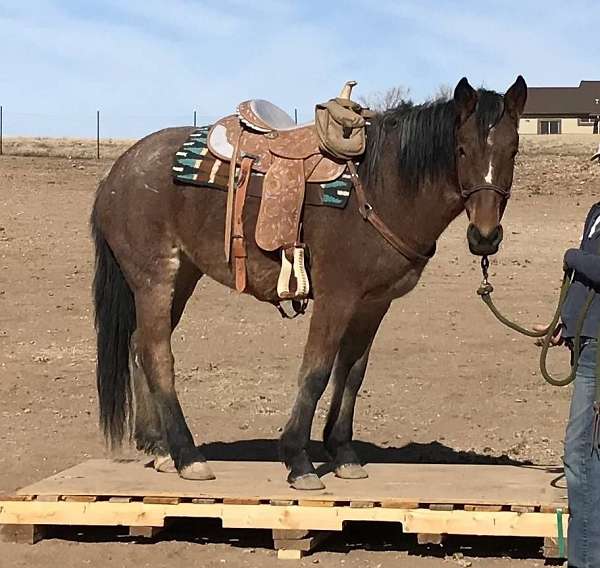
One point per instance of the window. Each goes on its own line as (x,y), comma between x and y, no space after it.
(549,126)
(587,121)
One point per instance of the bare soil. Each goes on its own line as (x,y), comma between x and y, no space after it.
(446,383)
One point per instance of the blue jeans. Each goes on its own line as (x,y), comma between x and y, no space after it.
(582,467)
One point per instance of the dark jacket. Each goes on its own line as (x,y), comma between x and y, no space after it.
(585,263)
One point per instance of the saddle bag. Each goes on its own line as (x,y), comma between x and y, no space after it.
(340,127)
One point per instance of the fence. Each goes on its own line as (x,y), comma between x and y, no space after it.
(95,136)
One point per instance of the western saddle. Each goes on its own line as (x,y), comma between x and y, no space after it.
(263,139)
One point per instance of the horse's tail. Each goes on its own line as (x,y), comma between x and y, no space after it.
(115,323)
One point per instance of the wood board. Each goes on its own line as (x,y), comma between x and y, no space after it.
(531,486)
(425,499)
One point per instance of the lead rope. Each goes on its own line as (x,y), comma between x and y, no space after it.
(485,292)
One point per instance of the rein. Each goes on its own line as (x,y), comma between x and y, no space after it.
(368,214)
(485,292)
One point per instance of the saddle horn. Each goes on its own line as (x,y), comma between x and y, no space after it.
(347,90)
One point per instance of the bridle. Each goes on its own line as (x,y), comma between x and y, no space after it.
(368,214)
(502,191)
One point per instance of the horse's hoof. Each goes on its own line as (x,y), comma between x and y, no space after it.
(351,471)
(308,482)
(197,471)
(164,464)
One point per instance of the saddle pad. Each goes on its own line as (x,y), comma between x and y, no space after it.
(194,165)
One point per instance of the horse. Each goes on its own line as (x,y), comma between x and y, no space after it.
(154,239)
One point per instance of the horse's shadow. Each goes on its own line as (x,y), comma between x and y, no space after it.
(266,450)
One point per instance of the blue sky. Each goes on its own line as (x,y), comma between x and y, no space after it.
(147,64)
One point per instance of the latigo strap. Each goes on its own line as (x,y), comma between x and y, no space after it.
(238,241)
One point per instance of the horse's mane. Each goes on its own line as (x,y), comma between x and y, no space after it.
(422,137)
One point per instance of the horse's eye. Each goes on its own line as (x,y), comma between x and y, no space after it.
(461,152)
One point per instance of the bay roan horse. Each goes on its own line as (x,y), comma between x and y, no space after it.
(154,239)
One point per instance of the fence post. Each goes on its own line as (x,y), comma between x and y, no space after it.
(97,134)
(1,130)
(296,115)
(194,119)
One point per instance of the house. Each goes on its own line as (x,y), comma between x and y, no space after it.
(562,110)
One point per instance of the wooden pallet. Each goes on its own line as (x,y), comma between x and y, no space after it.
(430,500)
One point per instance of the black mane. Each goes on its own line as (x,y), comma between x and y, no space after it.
(422,137)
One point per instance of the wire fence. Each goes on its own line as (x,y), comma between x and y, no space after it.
(102,134)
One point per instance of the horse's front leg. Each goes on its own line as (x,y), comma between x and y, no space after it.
(329,321)
(348,374)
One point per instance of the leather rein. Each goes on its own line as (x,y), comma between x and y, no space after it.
(368,214)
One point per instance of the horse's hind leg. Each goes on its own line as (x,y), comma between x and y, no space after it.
(348,374)
(158,309)
(148,431)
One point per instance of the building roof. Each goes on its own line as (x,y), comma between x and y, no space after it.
(564,101)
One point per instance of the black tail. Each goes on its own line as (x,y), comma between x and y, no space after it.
(115,323)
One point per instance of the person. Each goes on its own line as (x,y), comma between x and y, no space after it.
(582,453)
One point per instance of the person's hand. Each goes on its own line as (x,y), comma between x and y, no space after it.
(568,259)
(557,338)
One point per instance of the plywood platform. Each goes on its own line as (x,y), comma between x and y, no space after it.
(426,499)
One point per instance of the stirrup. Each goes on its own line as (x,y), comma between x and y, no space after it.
(298,269)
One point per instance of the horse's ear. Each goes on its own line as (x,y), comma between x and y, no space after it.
(465,99)
(516,97)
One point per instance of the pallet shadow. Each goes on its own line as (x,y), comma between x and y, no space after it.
(356,536)
(267,450)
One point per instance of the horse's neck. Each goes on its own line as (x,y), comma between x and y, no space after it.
(422,214)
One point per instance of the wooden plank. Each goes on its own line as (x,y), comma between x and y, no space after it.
(156,500)
(399,504)
(48,498)
(80,498)
(17,498)
(105,513)
(362,504)
(240,501)
(304,544)
(289,554)
(441,507)
(553,507)
(410,483)
(485,508)
(551,548)
(204,501)
(22,534)
(120,500)
(522,508)
(315,503)
(145,532)
(282,502)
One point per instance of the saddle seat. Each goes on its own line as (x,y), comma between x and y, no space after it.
(264,116)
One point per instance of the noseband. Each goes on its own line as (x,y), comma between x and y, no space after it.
(502,191)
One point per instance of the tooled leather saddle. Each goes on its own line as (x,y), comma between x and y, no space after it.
(261,138)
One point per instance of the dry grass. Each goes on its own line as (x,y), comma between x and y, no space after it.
(580,145)
(65,147)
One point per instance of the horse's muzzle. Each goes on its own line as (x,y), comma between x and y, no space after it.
(484,245)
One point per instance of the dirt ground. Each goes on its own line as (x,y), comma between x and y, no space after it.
(446,383)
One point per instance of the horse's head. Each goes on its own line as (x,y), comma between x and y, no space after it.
(487,141)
